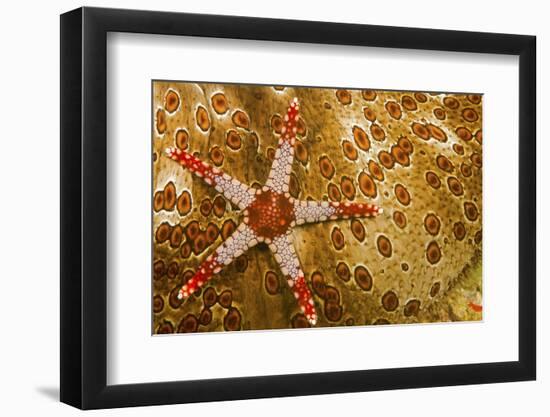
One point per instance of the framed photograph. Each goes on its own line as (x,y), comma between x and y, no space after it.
(256,208)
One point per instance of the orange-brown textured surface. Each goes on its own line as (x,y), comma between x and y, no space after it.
(413,154)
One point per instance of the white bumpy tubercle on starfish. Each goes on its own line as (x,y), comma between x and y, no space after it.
(269,215)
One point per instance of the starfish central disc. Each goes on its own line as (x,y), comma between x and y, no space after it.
(270,214)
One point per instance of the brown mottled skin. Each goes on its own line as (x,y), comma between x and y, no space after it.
(416,155)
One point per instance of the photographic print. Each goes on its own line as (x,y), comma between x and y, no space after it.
(277,207)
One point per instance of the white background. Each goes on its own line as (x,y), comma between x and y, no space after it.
(30,221)
(132,352)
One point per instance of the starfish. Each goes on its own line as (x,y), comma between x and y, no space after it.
(269,215)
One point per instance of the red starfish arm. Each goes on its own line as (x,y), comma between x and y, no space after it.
(285,254)
(279,176)
(233,247)
(232,189)
(320,211)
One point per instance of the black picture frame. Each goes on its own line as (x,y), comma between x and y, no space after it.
(84,207)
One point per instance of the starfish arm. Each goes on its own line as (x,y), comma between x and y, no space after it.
(231,188)
(320,211)
(233,247)
(285,254)
(279,176)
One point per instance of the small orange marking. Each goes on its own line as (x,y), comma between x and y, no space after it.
(476,307)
